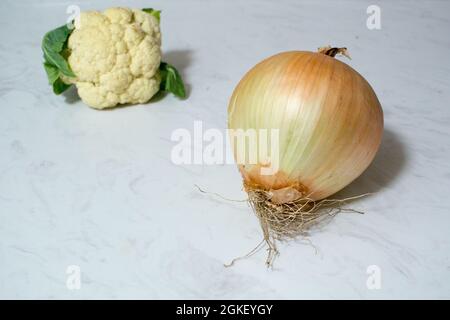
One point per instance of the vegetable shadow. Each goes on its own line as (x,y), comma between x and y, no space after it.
(71,95)
(386,167)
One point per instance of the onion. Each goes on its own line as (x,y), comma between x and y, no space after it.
(330,126)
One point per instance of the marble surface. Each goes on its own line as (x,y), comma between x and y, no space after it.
(98,190)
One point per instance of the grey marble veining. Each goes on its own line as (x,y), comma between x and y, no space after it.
(98,189)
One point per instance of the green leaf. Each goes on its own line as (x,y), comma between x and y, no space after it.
(59,62)
(52,72)
(153,12)
(53,45)
(171,80)
(59,86)
(54,40)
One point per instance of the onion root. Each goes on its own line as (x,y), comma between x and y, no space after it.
(284,221)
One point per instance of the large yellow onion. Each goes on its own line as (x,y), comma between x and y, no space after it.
(329,119)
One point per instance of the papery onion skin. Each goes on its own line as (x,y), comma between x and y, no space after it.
(329,117)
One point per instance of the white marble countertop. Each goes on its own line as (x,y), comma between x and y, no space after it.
(97,189)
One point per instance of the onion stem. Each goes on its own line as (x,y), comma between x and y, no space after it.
(332,52)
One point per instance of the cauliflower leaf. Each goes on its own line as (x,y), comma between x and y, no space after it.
(53,45)
(171,80)
(153,12)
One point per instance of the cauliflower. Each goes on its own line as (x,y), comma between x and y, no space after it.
(112,57)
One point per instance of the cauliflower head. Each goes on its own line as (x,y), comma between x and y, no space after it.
(112,58)
(115,56)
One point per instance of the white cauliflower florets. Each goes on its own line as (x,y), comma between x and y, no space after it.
(115,56)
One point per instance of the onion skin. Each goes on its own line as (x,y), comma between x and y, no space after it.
(329,117)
